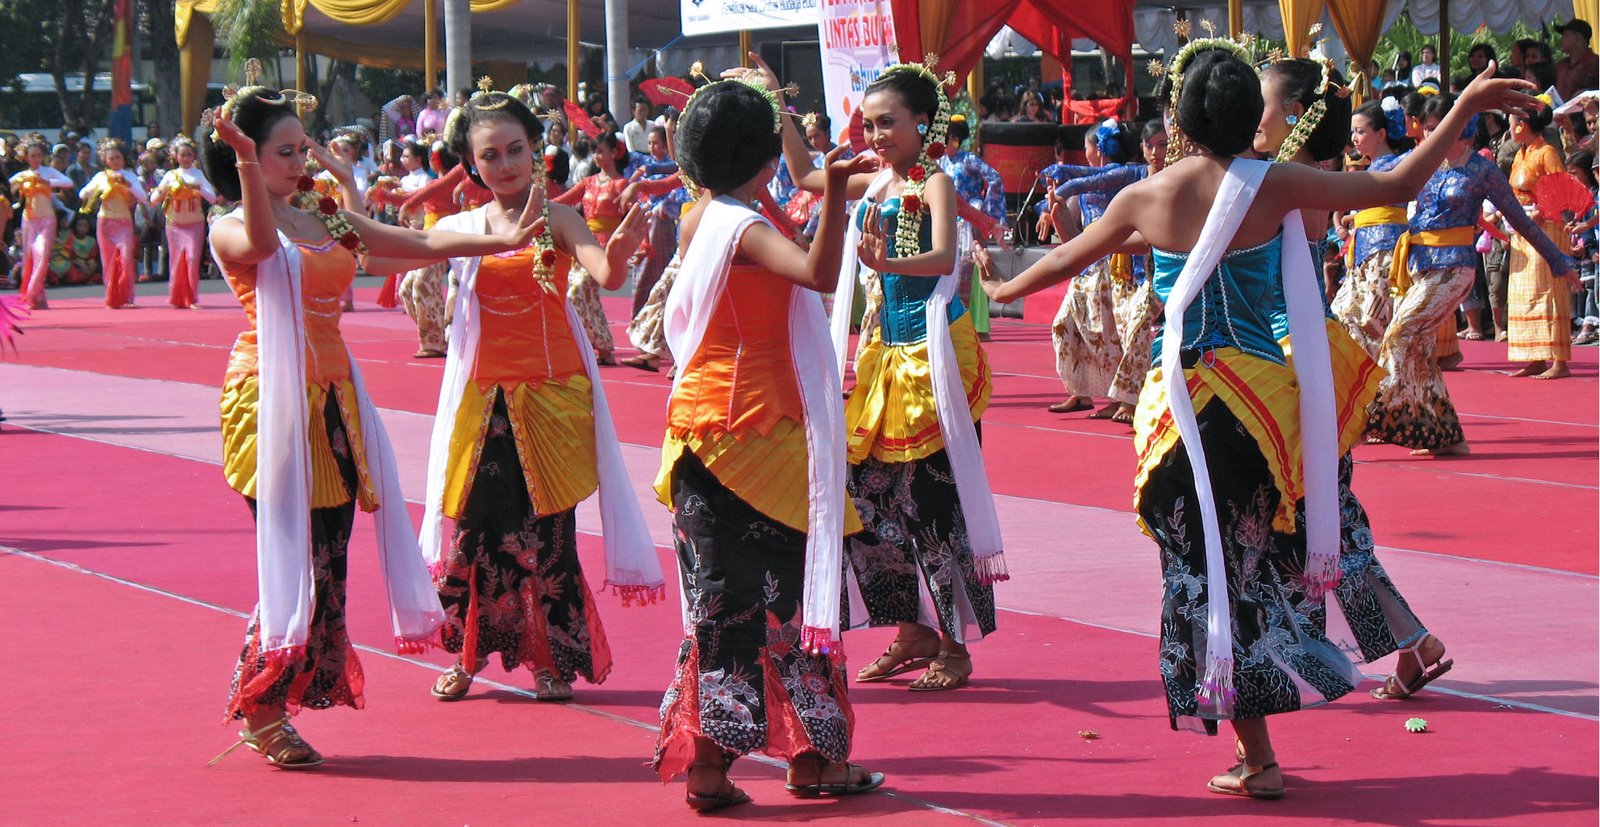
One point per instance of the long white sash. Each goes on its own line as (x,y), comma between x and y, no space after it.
(1313,375)
(632,568)
(690,307)
(286,599)
(950,399)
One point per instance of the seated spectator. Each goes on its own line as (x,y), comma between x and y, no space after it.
(76,258)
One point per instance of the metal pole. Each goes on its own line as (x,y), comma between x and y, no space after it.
(617,59)
(430,44)
(1235,18)
(457,46)
(574,53)
(1444,44)
(746,44)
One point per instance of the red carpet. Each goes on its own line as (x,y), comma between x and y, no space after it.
(118,691)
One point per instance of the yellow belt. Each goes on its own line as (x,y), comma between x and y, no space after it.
(604,224)
(1400,270)
(1373,217)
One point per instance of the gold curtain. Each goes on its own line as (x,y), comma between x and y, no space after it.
(936,17)
(1359,24)
(1589,12)
(184,10)
(1298,18)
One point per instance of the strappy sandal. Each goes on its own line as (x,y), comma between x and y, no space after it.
(275,741)
(550,688)
(727,795)
(940,677)
(865,784)
(1244,772)
(1108,412)
(898,663)
(1124,414)
(1394,690)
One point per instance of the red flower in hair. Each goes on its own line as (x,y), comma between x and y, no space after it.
(327,206)
(350,241)
(305,184)
(912,203)
(549,164)
(548,258)
(917,174)
(936,150)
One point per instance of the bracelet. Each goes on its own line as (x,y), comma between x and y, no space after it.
(247,163)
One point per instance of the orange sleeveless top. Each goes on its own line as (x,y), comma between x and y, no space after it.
(526,354)
(738,407)
(326,271)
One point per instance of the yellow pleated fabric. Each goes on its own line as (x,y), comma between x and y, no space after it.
(553,425)
(241,401)
(891,413)
(1264,397)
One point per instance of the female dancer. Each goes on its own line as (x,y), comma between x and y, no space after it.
(34,186)
(1136,308)
(1306,120)
(111,194)
(1413,407)
(1237,479)
(523,432)
(603,210)
(922,383)
(180,194)
(301,440)
(1363,304)
(754,471)
(1539,329)
(1086,333)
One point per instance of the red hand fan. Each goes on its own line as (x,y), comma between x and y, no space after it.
(667,91)
(1560,193)
(580,119)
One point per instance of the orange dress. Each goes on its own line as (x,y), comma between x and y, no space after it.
(738,407)
(1538,308)
(526,352)
(327,270)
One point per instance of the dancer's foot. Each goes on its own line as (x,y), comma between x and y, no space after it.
(707,788)
(903,655)
(1458,449)
(951,670)
(1124,414)
(1531,369)
(1558,370)
(604,357)
(548,686)
(1109,411)
(275,739)
(1072,404)
(428,353)
(1265,782)
(643,361)
(1451,362)
(1419,665)
(813,779)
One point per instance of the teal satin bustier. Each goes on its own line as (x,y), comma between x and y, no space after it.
(1241,305)
(904,317)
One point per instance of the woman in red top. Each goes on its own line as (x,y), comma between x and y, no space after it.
(603,209)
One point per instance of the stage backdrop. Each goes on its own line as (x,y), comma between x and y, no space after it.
(717,16)
(857,39)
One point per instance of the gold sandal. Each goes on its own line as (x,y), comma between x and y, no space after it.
(547,686)
(453,684)
(275,741)
(940,677)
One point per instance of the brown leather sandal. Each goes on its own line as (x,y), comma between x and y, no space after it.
(940,677)
(726,795)
(1244,772)
(899,660)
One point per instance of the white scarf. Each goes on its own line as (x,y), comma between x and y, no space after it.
(1318,428)
(632,568)
(949,395)
(283,479)
(690,307)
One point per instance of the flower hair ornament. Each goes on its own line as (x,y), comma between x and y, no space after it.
(1107,137)
(908,223)
(1394,117)
(752,79)
(1180,62)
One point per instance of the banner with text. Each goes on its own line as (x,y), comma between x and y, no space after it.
(718,16)
(857,39)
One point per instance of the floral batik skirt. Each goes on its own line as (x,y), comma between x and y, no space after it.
(911,560)
(326,673)
(1140,321)
(648,330)
(742,680)
(583,292)
(1363,304)
(1282,660)
(511,583)
(1413,407)
(1085,333)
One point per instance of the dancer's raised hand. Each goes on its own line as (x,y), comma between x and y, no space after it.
(874,247)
